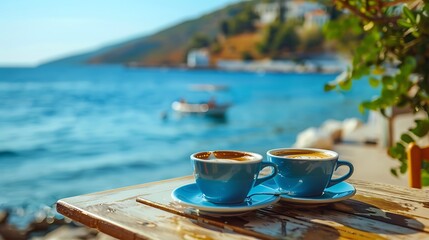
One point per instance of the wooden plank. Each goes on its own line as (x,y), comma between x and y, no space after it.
(113,213)
(302,221)
(408,194)
(359,227)
(258,224)
(130,220)
(116,213)
(414,215)
(371,214)
(401,206)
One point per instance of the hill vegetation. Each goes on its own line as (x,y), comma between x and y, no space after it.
(228,33)
(167,47)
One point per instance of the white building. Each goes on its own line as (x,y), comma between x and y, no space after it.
(198,58)
(298,8)
(267,12)
(316,18)
(293,9)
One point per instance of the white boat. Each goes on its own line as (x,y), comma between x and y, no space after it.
(200,108)
(208,87)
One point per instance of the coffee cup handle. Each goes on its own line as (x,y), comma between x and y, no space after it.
(265,178)
(342,178)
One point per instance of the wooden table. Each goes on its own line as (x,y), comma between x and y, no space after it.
(377,211)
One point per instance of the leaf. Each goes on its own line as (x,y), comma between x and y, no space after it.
(425,165)
(374,82)
(403,158)
(379,70)
(368,26)
(361,109)
(329,87)
(371,105)
(392,41)
(383,112)
(404,23)
(400,147)
(397,151)
(421,128)
(387,81)
(407,138)
(409,31)
(407,12)
(392,152)
(403,168)
(425,178)
(394,172)
(346,84)
(388,96)
(418,18)
(415,34)
(410,63)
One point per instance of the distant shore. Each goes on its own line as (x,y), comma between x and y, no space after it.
(317,64)
(246,68)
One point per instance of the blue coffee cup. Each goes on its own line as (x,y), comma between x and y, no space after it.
(226,177)
(306,172)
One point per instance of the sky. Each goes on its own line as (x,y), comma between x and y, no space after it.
(33,32)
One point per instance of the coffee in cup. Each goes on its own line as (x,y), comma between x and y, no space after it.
(306,172)
(226,177)
(302,154)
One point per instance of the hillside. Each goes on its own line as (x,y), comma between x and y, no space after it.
(167,47)
(235,47)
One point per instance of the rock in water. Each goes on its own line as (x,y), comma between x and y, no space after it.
(350,125)
(314,138)
(333,128)
(69,232)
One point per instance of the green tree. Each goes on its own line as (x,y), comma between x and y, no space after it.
(311,39)
(199,41)
(286,39)
(246,56)
(278,38)
(243,21)
(282,10)
(269,35)
(224,27)
(391,49)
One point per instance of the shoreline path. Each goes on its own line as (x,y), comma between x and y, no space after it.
(371,162)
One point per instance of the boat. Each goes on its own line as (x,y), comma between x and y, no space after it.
(208,109)
(208,87)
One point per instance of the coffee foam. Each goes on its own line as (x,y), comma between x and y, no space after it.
(240,159)
(223,160)
(300,154)
(307,156)
(226,156)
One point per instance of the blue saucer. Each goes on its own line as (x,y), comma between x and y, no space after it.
(336,193)
(191,196)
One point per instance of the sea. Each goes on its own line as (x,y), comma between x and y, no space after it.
(71,130)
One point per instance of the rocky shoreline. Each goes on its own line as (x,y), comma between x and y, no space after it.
(47,228)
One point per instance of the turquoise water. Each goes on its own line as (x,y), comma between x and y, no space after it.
(74,130)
